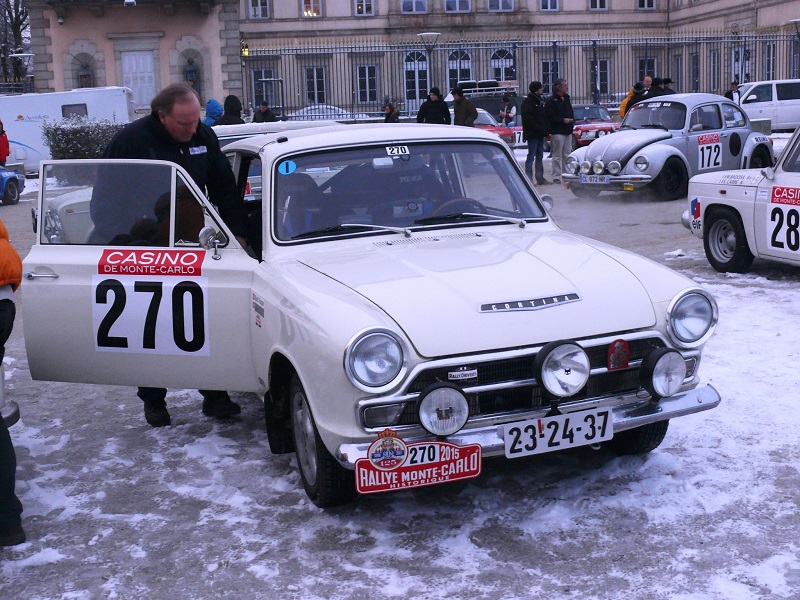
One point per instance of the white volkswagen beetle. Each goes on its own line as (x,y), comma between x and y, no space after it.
(412,308)
(746,214)
(663,142)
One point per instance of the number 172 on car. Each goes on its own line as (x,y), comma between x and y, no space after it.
(548,434)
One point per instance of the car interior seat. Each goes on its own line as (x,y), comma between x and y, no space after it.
(300,206)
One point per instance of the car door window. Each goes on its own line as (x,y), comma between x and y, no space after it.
(733,116)
(788,91)
(706,118)
(760,93)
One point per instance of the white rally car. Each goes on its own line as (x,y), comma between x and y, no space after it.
(412,307)
(746,214)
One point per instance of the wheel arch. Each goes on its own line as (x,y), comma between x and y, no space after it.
(277,402)
(747,224)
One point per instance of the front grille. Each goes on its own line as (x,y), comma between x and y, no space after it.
(526,395)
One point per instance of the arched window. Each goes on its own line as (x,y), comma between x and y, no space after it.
(502,65)
(459,67)
(416,75)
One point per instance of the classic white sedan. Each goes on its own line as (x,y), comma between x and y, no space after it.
(412,308)
(746,214)
(663,142)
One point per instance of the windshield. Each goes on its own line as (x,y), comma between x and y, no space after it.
(586,113)
(663,115)
(404,186)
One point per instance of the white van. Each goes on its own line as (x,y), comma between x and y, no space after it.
(777,100)
(24,114)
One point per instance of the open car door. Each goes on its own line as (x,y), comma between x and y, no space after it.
(135,280)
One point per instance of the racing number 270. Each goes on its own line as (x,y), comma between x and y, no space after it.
(118,298)
(792,235)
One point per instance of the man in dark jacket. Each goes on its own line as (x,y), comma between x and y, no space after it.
(665,83)
(464,112)
(534,130)
(171,132)
(231,112)
(434,109)
(264,114)
(561,118)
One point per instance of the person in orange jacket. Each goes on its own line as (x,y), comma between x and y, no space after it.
(5,150)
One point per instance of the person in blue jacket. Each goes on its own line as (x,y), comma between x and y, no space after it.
(213,112)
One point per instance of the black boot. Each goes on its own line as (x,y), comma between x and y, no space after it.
(155,412)
(11,535)
(219,404)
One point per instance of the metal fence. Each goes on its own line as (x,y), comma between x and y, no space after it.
(355,80)
(16,85)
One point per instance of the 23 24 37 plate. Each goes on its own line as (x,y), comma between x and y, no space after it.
(548,434)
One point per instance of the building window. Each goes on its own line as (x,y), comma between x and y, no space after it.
(312,8)
(416,70)
(770,58)
(647,66)
(414,6)
(259,9)
(677,72)
(548,4)
(795,67)
(459,67)
(502,65)
(457,5)
(598,5)
(598,84)
(501,5)
(315,85)
(367,83)
(363,8)
(694,67)
(647,4)
(716,73)
(264,87)
(549,75)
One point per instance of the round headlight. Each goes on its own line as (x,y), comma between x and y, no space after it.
(444,410)
(562,368)
(663,372)
(597,167)
(586,167)
(374,359)
(641,163)
(692,318)
(614,167)
(572,165)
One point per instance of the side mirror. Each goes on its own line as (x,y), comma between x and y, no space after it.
(547,200)
(211,238)
(768,172)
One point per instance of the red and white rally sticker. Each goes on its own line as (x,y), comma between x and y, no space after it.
(391,464)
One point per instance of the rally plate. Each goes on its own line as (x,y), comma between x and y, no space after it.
(548,434)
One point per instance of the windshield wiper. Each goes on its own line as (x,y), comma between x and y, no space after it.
(345,226)
(626,125)
(654,126)
(458,216)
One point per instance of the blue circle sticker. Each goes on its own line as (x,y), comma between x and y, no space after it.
(287,167)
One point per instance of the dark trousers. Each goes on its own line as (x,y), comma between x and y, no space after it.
(10,506)
(535,152)
(149,394)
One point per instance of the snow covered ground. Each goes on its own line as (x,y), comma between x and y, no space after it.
(115,509)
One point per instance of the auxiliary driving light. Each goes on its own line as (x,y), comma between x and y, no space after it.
(444,409)
(598,167)
(614,167)
(561,368)
(586,167)
(663,372)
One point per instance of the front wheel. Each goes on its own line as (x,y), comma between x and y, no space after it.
(673,181)
(640,440)
(12,193)
(725,242)
(326,482)
(760,158)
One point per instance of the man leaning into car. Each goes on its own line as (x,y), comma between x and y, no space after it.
(173,132)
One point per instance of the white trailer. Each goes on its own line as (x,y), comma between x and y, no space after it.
(24,114)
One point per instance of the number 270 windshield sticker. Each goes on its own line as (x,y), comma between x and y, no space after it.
(151,302)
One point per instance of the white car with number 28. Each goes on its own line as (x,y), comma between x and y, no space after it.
(412,308)
(746,214)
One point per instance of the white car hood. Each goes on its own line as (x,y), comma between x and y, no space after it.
(472,292)
(623,144)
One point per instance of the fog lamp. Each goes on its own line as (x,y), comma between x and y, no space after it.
(598,167)
(586,167)
(444,409)
(614,167)
(663,372)
(561,368)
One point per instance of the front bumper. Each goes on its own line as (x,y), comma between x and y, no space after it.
(634,412)
(615,182)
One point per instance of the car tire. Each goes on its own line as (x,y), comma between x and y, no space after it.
(582,191)
(12,193)
(760,158)
(278,423)
(640,440)
(326,482)
(725,242)
(672,182)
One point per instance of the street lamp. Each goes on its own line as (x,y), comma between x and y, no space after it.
(429,39)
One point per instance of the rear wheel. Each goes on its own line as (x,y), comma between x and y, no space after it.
(725,242)
(640,440)
(326,482)
(673,181)
(12,192)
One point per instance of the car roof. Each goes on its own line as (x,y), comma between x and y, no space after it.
(690,99)
(248,129)
(369,133)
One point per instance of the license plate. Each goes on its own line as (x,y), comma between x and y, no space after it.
(549,434)
(605,179)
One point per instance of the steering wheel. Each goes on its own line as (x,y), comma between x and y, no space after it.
(459,205)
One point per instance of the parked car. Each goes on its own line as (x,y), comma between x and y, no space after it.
(746,214)
(664,141)
(592,121)
(413,310)
(227,134)
(325,112)
(487,122)
(11,185)
(777,100)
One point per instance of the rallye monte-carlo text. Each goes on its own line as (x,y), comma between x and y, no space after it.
(412,307)
(741,215)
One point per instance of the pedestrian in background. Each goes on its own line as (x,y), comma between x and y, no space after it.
(5,149)
(561,119)
(11,532)
(464,112)
(231,112)
(734,94)
(507,112)
(657,88)
(535,128)
(392,114)
(213,112)
(665,89)
(264,114)
(434,109)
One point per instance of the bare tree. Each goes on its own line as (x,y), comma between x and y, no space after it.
(14,39)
